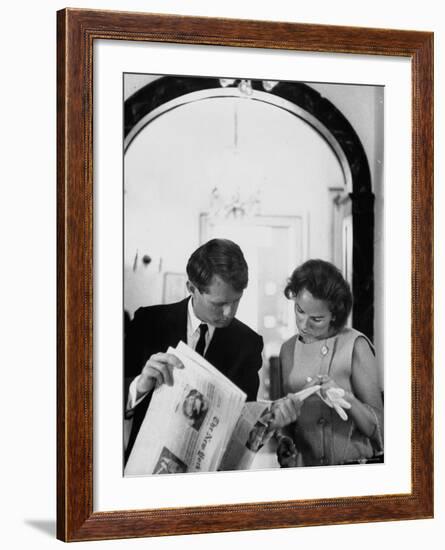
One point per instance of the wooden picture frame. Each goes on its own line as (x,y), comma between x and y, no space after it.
(77,31)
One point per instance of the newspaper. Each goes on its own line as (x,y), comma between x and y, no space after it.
(251,433)
(188,426)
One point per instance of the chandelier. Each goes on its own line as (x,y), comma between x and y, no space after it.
(236,198)
(245,85)
(234,203)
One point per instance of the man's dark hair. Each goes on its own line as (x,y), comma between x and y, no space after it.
(218,257)
(325,282)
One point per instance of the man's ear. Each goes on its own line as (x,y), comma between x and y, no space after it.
(190,287)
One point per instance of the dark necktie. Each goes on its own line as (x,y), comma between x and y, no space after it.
(200,346)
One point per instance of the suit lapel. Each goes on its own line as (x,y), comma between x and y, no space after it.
(177,322)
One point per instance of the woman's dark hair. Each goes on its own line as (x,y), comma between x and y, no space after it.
(218,257)
(325,282)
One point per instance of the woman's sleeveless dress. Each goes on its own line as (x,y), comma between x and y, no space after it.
(321,436)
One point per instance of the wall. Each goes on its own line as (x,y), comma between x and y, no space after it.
(364,108)
(28,273)
(172,166)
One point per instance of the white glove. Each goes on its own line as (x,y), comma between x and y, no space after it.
(286,410)
(333,397)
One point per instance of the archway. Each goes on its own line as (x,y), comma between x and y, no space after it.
(170,92)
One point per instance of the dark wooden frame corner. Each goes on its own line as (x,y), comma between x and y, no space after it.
(77,31)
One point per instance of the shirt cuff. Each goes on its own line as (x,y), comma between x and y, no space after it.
(133,399)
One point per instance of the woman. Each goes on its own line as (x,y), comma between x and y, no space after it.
(342,421)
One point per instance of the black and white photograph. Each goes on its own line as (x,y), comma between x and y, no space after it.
(253,213)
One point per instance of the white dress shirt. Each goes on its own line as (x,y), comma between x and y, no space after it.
(193,329)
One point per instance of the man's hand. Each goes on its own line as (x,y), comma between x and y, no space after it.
(158,370)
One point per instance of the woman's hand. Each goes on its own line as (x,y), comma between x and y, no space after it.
(286,410)
(334,396)
(283,412)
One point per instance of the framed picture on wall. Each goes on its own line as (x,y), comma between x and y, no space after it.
(307,146)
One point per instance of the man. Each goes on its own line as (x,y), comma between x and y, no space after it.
(217,276)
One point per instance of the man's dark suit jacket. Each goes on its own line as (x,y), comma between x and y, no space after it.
(234,350)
